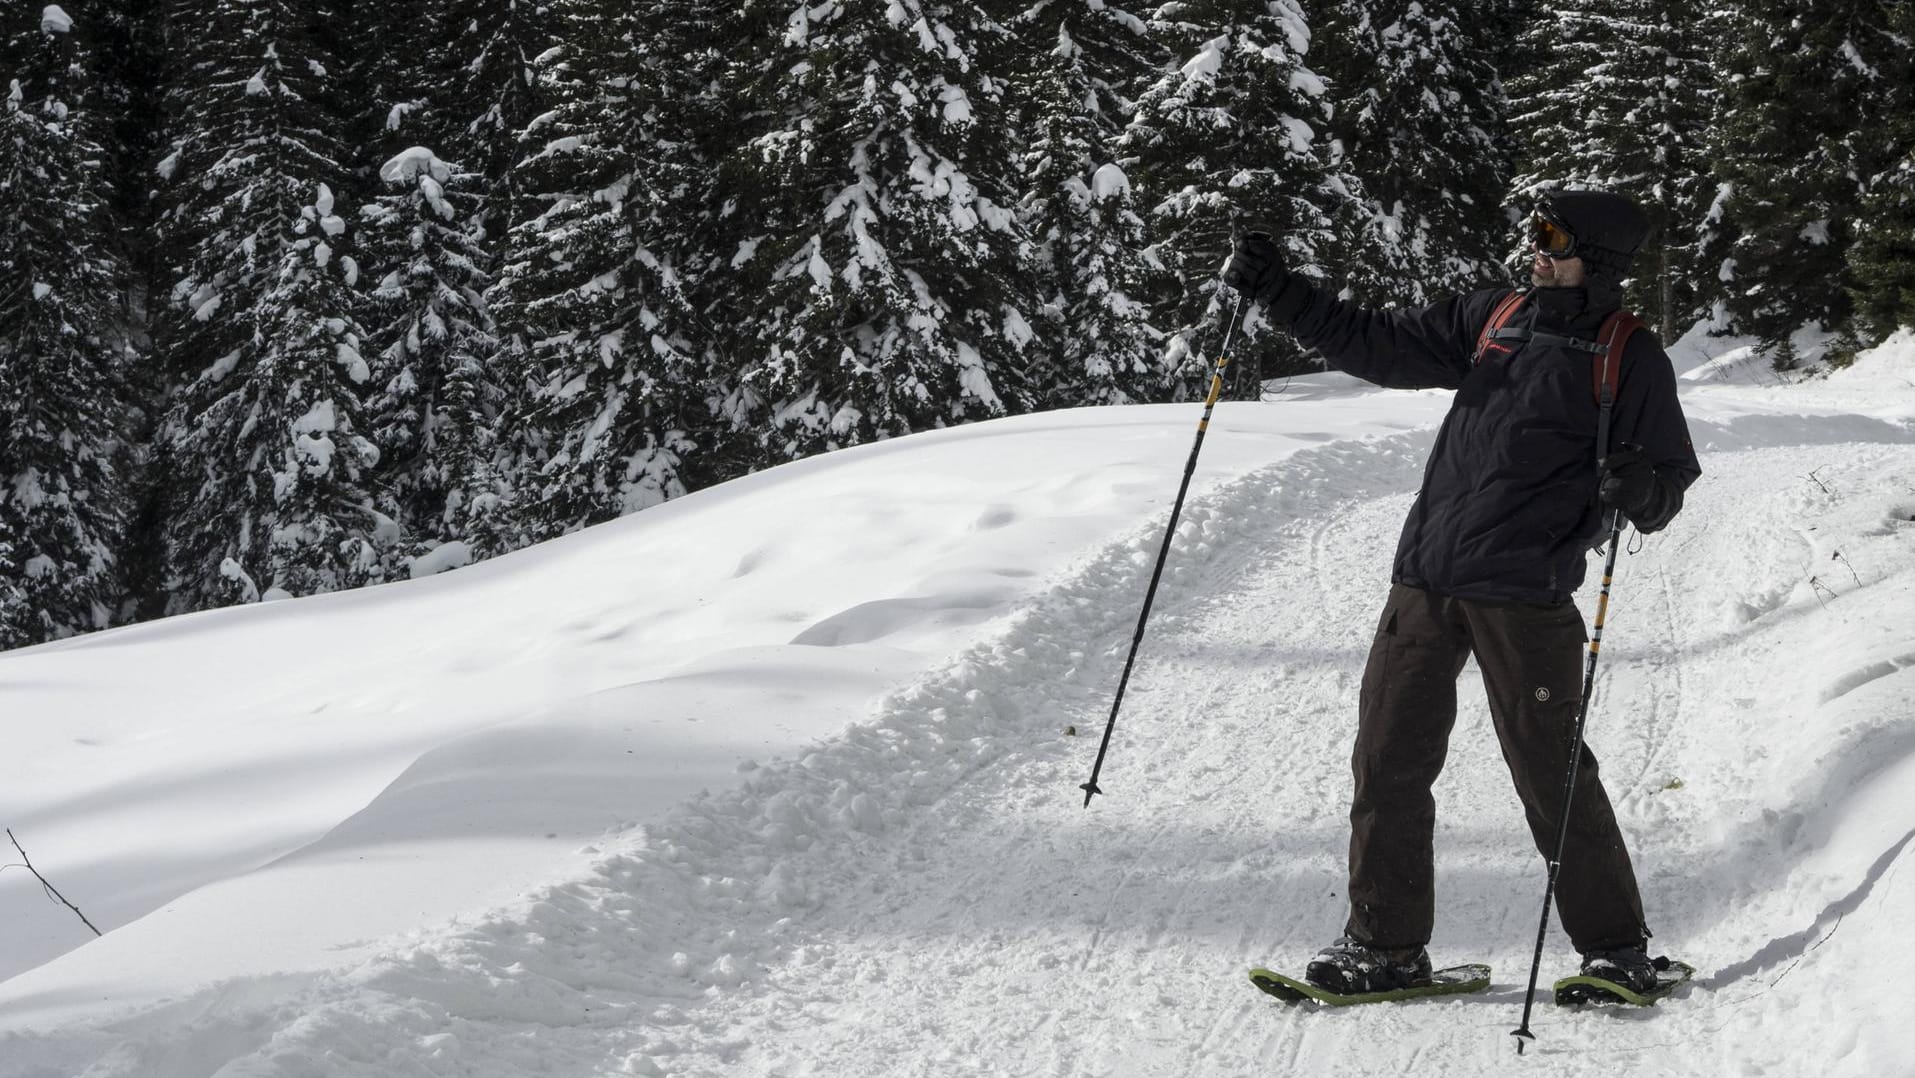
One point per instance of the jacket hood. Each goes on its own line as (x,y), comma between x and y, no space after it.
(1609,228)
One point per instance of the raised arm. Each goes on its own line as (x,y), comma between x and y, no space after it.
(1420,348)
(1424,348)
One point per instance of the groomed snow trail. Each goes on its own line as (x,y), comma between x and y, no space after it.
(1024,936)
(927,896)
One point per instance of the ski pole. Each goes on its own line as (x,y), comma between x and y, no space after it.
(1216,390)
(1522,1033)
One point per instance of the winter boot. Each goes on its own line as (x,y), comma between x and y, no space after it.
(1349,968)
(1630,967)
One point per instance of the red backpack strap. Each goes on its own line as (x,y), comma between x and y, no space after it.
(1606,365)
(1606,370)
(1505,310)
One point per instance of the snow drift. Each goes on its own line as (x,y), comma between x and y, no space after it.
(780,778)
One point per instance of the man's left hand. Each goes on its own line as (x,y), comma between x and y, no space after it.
(1628,480)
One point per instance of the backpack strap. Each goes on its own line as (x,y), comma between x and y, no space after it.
(1494,329)
(1606,370)
(1605,352)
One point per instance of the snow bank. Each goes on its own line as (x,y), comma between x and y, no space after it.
(707,789)
(150,740)
(1889,367)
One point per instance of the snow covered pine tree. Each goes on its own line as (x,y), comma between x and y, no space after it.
(1805,106)
(881,282)
(1227,138)
(1420,113)
(1882,262)
(1078,206)
(1624,106)
(267,488)
(64,405)
(591,277)
(436,410)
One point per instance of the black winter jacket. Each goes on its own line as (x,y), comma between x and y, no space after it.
(1508,508)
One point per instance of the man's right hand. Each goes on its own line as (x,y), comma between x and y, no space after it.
(1257,272)
(1256,269)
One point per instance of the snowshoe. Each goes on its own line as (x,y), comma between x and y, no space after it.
(1638,979)
(1442,982)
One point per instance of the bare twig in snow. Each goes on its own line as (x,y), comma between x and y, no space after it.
(1858,577)
(27,863)
(1818,482)
(1819,589)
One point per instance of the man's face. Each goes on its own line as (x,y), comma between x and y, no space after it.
(1547,272)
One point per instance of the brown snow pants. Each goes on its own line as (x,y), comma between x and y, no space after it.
(1532,661)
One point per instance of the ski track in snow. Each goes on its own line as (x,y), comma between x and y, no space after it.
(925,895)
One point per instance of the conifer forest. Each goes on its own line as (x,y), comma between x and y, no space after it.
(303,295)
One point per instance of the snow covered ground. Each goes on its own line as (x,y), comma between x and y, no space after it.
(780,778)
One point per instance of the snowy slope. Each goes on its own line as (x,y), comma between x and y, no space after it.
(778,779)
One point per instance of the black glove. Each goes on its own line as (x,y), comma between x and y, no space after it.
(1257,273)
(1629,483)
(1256,267)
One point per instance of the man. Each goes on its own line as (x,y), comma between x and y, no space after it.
(1493,550)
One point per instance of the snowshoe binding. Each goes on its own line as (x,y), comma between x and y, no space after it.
(1627,975)
(1350,968)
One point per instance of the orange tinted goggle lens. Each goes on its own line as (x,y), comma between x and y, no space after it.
(1550,238)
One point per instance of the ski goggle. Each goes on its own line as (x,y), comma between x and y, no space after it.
(1550,237)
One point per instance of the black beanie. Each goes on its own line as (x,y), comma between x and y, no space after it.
(1608,227)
